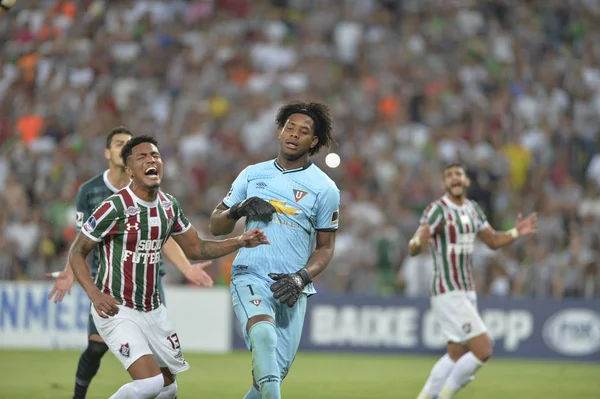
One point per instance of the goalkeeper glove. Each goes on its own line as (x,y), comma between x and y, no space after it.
(254,208)
(288,287)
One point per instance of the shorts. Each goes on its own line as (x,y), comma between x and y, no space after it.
(456,311)
(131,334)
(251,296)
(92,327)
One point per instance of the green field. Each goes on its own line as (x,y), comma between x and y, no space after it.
(50,374)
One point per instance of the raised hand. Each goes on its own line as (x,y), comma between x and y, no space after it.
(62,285)
(425,233)
(527,226)
(253,238)
(197,275)
(105,305)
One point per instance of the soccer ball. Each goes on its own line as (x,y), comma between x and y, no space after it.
(6,5)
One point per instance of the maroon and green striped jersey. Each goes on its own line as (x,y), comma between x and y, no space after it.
(131,233)
(454,229)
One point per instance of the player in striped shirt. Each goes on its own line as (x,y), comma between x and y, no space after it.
(89,195)
(129,229)
(449,227)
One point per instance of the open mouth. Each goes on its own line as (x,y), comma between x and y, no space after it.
(151,171)
(291,145)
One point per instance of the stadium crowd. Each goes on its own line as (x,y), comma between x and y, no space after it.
(510,88)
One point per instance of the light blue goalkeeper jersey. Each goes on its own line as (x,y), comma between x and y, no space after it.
(306,200)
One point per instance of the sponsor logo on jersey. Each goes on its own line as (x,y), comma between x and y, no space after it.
(132,211)
(573,332)
(281,207)
(261,184)
(256,302)
(154,221)
(132,226)
(124,350)
(299,194)
(228,196)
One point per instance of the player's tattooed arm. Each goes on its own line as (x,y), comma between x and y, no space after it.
(220,223)
(418,243)
(196,248)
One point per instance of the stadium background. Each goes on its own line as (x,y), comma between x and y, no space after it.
(511,88)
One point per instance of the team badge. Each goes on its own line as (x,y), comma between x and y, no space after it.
(132,211)
(466,328)
(255,302)
(179,356)
(167,205)
(124,350)
(299,194)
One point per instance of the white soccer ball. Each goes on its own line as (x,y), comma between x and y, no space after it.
(6,5)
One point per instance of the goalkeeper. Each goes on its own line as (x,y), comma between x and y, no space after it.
(297,205)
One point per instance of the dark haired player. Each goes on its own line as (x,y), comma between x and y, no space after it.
(130,228)
(89,195)
(297,205)
(450,226)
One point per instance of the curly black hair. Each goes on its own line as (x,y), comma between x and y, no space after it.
(115,131)
(319,113)
(128,147)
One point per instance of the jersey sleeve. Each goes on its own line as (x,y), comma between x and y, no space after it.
(238,190)
(101,222)
(482,222)
(82,211)
(328,210)
(181,223)
(433,215)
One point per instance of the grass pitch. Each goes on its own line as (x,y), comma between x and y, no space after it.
(28,374)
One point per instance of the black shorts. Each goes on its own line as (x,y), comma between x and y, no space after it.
(92,327)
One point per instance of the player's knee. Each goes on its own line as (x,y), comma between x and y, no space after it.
(263,335)
(96,349)
(484,352)
(148,388)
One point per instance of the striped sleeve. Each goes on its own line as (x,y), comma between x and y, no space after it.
(101,222)
(82,211)
(482,222)
(181,223)
(433,215)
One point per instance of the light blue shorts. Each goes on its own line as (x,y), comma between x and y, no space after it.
(251,296)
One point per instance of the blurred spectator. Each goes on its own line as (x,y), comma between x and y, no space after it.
(511,89)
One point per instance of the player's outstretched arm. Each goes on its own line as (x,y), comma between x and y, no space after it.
(63,281)
(498,239)
(422,237)
(288,287)
(194,273)
(104,304)
(196,248)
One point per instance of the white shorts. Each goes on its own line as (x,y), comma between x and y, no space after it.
(131,334)
(456,311)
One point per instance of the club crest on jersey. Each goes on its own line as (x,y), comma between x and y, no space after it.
(467,328)
(299,194)
(179,356)
(167,205)
(132,226)
(132,211)
(256,302)
(124,350)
